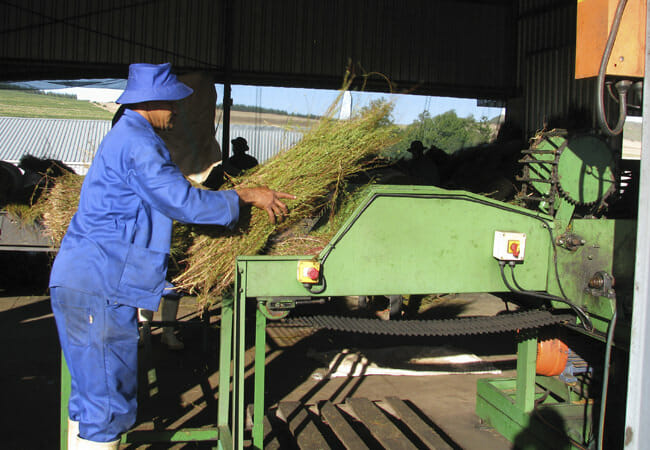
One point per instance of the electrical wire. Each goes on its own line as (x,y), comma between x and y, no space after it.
(603,395)
(320,289)
(573,442)
(613,97)
(514,280)
(584,318)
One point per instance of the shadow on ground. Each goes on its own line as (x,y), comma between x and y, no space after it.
(185,384)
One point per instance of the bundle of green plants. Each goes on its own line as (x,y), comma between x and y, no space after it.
(315,170)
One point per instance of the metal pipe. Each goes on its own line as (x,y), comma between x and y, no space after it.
(227,82)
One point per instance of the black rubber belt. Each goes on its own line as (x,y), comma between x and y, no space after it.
(525,320)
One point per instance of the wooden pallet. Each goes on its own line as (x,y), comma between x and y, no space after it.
(360,423)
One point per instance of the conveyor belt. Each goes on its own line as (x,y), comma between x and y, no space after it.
(524,320)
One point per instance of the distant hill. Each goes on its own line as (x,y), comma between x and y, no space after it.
(22,103)
(265,119)
(34,104)
(260,109)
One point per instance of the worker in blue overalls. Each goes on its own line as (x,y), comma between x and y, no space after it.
(113,258)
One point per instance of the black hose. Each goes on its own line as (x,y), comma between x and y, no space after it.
(584,318)
(514,280)
(622,94)
(603,395)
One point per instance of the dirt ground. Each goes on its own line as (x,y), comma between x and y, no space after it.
(186,382)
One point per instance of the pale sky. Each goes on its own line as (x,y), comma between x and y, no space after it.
(316,101)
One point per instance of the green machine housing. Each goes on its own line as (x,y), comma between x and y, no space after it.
(407,240)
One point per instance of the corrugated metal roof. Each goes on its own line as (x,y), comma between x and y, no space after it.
(72,141)
(442,47)
(75,142)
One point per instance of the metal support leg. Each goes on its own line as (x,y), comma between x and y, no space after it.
(526,368)
(258,396)
(65,396)
(225,345)
(152,376)
(239,332)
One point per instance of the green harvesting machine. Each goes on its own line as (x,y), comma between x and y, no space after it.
(553,249)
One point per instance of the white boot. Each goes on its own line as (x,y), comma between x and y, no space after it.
(83,444)
(168,311)
(144,315)
(73,432)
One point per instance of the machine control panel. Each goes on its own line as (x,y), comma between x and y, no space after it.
(509,246)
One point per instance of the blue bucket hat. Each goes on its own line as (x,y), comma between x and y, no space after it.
(151,82)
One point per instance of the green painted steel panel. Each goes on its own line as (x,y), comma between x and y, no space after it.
(562,426)
(526,367)
(415,240)
(609,247)
(260,371)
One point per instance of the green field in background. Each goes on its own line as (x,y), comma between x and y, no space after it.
(16,103)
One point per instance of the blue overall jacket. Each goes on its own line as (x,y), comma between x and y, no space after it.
(118,242)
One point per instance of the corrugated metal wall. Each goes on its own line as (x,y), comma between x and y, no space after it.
(264,141)
(75,142)
(434,47)
(546,55)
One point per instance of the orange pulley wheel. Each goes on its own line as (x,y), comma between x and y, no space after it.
(552,356)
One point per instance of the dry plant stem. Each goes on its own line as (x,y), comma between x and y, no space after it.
(59,204)
(331,152)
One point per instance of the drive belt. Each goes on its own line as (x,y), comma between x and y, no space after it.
(524,320)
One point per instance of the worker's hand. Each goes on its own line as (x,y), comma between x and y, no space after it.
(266,199)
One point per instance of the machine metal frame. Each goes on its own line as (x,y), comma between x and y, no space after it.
(374,255)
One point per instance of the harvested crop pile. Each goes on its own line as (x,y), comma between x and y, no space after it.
(310,240)
(314,168)
(56,208)
(59,205)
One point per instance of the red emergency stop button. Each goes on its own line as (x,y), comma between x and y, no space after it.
(514,248)
(308,271)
